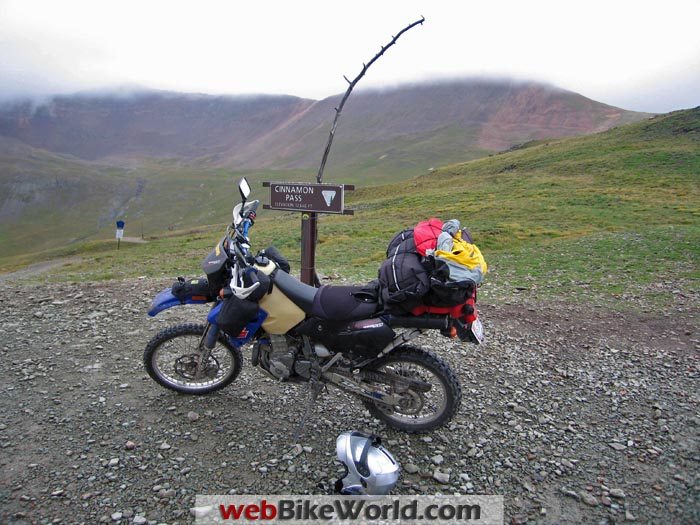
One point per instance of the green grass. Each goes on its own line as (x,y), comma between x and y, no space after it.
(644,268)
(602,217)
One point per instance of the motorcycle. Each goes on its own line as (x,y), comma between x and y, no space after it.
(332,335)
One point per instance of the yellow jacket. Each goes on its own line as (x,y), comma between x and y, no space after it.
(464,254)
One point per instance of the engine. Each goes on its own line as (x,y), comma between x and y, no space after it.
(282,357)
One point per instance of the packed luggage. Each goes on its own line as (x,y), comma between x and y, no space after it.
(432,268)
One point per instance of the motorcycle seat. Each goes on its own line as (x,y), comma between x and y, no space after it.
(344,303)
(299,293)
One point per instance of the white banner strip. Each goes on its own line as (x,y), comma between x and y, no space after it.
(374,510)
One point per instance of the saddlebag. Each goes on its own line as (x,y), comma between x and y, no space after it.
(464,312)
(235,314)
(216,267)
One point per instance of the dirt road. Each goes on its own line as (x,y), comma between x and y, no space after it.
(575,414)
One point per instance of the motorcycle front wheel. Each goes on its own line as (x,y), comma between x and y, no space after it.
(418,410)
(172,356)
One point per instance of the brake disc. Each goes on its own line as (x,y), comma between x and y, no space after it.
(186,366)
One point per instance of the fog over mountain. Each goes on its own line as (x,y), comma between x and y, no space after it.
(410,127)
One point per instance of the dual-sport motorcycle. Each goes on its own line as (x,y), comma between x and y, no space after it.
(332,335)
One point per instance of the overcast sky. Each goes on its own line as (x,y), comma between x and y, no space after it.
(639,55)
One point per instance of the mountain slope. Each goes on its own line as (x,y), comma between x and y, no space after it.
(637,186)
(148,124)
(48,199)
(391,134)
(421,126)
(166,162)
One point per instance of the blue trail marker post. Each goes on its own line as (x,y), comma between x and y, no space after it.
(120,232)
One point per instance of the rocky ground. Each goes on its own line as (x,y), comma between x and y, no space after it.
(575,414)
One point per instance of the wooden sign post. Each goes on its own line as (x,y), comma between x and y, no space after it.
(310,200)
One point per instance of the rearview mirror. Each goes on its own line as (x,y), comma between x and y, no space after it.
(244,188)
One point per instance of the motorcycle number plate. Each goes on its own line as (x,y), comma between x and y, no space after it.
(478,331)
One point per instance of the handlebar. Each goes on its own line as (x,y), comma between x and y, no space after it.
(238,239)
(238,243)
(247,223)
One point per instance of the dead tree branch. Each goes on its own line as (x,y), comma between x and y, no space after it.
(365,67)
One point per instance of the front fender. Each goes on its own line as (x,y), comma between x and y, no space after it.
(163,301)
(166,299)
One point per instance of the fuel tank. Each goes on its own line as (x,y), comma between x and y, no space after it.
(282,313)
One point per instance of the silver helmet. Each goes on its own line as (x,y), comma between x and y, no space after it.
(369,467)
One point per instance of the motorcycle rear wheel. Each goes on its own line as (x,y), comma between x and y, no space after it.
(172,354)
(419,411)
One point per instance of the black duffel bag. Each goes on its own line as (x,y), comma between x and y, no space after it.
(448,293)
(404,282)
(194,289)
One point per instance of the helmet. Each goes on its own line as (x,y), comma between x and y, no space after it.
(369,467)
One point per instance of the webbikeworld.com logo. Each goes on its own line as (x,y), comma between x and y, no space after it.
(294,510)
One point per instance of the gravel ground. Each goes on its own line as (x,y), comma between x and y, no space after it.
(575,414)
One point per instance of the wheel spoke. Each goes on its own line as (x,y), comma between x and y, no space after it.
(417,409)
(176,361)
(173,358)
(415,406)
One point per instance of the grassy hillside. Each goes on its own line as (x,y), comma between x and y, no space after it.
(616,212)
(49,200)
(163,161)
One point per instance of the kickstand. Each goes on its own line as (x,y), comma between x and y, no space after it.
(315,387)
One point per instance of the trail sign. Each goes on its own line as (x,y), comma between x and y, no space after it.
(310,199)
(120,232)
(307,197)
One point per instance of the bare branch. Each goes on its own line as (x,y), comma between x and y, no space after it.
(365,67)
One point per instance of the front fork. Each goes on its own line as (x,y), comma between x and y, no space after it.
(206,345)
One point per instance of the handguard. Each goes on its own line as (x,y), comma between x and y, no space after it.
(242,292)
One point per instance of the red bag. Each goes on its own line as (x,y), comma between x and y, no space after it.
(465,312)
(426,234)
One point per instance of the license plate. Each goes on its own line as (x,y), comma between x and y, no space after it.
(478,331)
